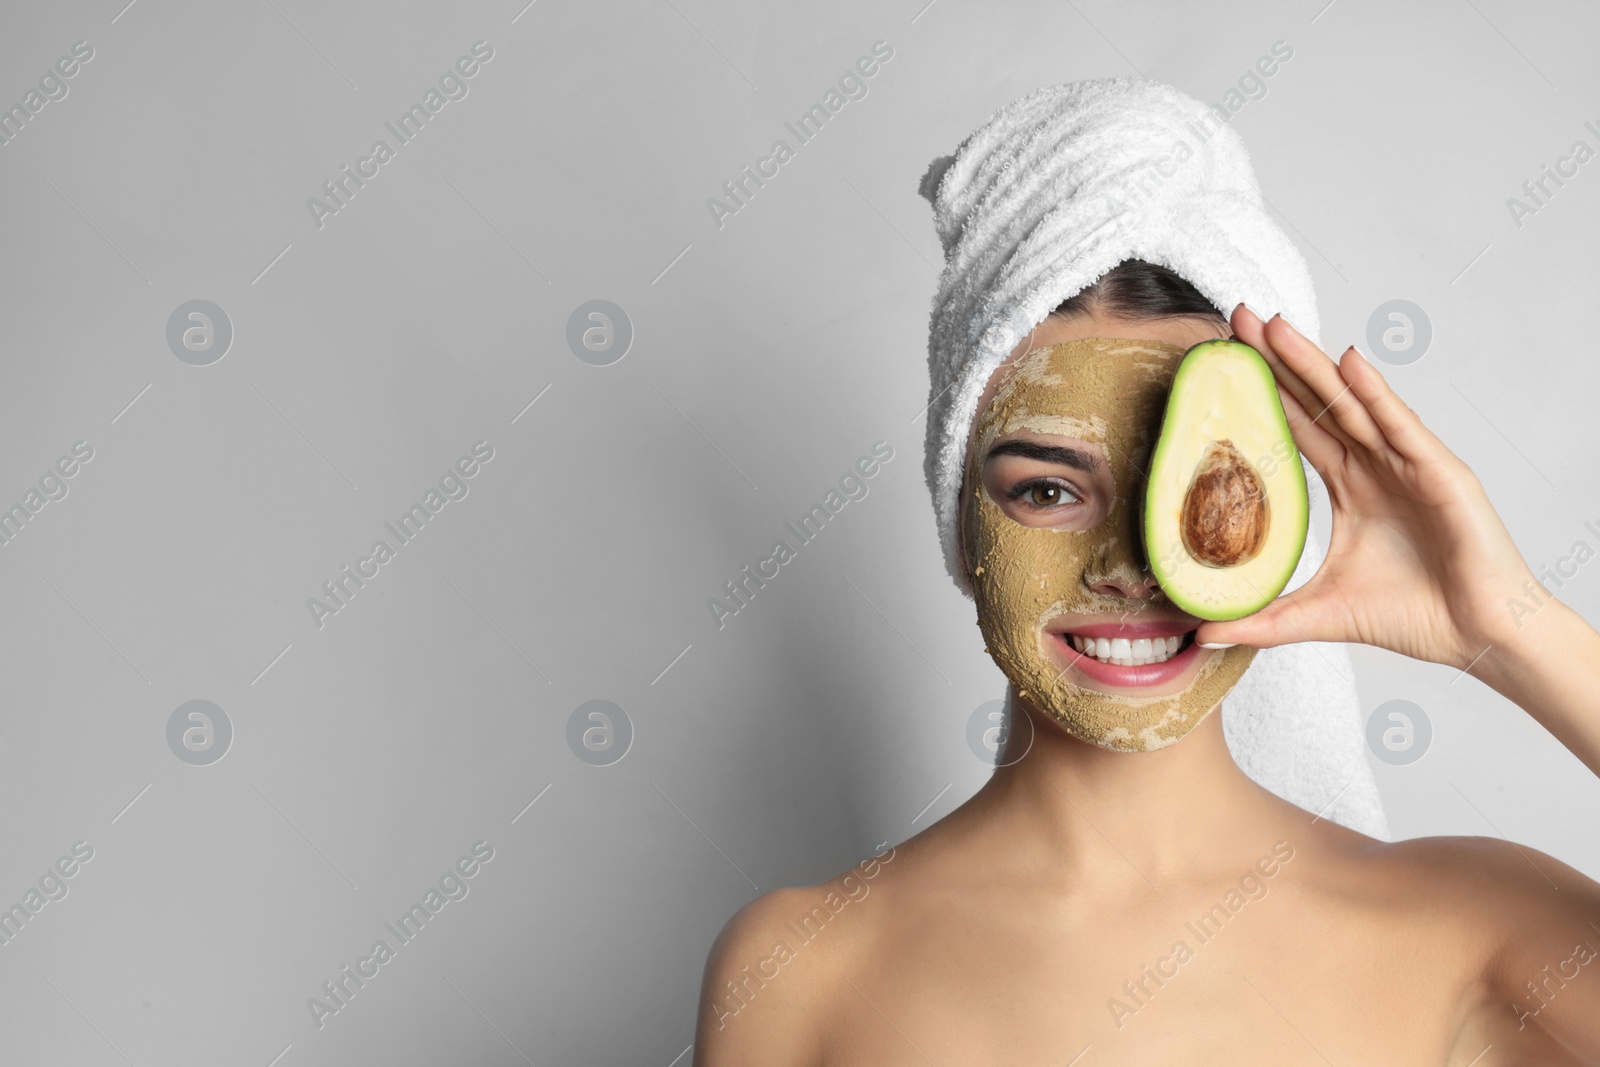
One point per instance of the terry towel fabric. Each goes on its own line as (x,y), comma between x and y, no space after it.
(1051,192)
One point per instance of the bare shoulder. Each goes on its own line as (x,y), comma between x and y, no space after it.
(1523,898)
(776,966)
(1491,871)
(1524,923)
(1493,887)
(742,1011)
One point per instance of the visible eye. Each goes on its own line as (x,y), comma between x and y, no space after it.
(1044,494)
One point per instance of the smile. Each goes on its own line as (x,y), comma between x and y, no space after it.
(1125,652)
(1128,655)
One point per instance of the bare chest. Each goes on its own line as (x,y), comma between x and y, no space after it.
(1284,986)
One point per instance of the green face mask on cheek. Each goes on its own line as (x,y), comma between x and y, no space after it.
(1100,391)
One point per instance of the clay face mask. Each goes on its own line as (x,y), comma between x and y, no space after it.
(1079,563)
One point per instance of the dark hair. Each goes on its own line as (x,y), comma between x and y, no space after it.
(1137,290)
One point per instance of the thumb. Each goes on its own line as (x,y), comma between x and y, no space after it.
(1284,621)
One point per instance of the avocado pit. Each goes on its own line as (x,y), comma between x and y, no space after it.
(1224,519)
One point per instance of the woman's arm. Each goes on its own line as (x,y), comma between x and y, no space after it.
(1551,669)
(1419,562)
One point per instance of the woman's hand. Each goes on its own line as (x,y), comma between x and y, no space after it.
(1419,563)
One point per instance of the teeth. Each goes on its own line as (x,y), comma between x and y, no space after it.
(1125,653)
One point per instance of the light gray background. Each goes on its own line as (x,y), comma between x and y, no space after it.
(769,355)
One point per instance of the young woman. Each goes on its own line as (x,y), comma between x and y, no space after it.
(1094,906)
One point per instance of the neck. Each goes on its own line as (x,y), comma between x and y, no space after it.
(1169,813)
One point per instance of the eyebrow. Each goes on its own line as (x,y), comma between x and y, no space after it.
(1066,457)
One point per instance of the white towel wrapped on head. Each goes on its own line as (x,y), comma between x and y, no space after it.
(1047,195)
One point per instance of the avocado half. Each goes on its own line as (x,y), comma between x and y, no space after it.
(1225,508)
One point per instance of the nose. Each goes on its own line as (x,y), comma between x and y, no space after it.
(1123,585)
(1121,569)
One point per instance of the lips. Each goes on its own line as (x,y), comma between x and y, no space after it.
(1079,649)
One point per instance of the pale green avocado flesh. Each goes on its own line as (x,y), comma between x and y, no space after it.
(1225,507)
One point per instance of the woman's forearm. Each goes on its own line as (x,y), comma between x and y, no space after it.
(1550,668)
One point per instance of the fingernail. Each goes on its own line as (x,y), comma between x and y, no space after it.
(1221,644)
